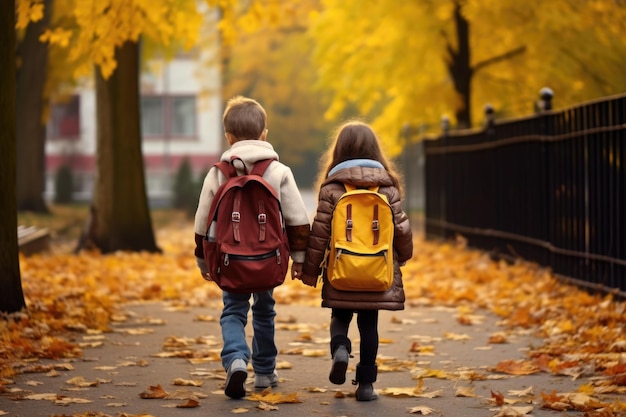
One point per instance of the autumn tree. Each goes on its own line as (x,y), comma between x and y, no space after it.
(108,35)
(31,130)
(266,54)
(412,62)
(120,215)
(11,297)
(271,61)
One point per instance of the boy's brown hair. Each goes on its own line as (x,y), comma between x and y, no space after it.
(244,118)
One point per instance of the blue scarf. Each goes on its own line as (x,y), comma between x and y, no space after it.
(366,163)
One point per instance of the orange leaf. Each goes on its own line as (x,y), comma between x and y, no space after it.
(498,398)
(190,403)
(154,392)
(520,367)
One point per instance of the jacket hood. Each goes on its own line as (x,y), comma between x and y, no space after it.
(361,176)
(250,151)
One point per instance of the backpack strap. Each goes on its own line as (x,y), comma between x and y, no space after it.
(226,168)
(375,223)
(260,166)
(259,169)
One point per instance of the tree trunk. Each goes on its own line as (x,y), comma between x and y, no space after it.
(460,69)
(11,296)
(120,218)
(31,129)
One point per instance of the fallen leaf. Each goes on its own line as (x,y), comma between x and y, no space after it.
(510,411)
(522,393)
(456,336)
(466,391)
(316,389)
(339,394)
(187,382)
(61,400)
(80,381)
(284,365)
(190,403)
(240,410)
(266,407)
(274,397)
(43,396)
(517,367)
(498,398)
(154,392)
(34,383)
(314,353)
(497,338)
(421,409)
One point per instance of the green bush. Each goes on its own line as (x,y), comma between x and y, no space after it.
(185,192)
(63,185)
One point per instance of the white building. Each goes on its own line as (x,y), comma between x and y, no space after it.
(181,118)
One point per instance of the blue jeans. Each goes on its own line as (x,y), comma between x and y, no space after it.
(233,321)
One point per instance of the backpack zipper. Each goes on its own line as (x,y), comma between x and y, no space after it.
(349,252)
(229,257)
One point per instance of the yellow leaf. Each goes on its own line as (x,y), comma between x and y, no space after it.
(187,382)
(421,409)
(465,392)
(274,397)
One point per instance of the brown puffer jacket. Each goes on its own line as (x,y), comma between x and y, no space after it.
(332,189)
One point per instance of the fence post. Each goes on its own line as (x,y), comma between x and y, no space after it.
(490,120)
(545,100)
(443,194)
(409,180)
(445,126)
(549,185)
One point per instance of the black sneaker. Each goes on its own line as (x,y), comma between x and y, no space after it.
(236,379)
(340,365)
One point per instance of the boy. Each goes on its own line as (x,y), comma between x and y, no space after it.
(245,128)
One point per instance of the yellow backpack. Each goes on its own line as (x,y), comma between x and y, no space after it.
(360,252)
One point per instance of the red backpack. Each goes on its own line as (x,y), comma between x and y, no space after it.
(245,246)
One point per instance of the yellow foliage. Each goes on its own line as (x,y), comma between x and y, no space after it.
(391,65)
(93,29)
(272,64)
(28,11)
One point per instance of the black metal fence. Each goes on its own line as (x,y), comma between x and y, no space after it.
(549,188)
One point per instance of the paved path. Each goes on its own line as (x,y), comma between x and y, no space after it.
(123,366)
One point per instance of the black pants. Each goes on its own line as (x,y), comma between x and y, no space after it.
(367,321)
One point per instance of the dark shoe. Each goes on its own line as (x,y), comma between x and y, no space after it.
(340,365)
(236,379)
(366,392)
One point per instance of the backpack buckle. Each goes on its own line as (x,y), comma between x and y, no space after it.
(349,223)
(374,224)
(262,218)
(236,216)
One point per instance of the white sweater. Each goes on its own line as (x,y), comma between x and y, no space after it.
(277,174)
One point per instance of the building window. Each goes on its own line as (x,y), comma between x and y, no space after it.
(64,122)
(168,116)
(152,120)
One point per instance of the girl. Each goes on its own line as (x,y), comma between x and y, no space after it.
(356,158)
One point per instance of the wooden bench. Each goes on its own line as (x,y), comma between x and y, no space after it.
(33,240)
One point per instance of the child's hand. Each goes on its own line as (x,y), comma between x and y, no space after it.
(296,270)
(309,280)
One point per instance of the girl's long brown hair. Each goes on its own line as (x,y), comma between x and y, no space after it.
(355,140)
